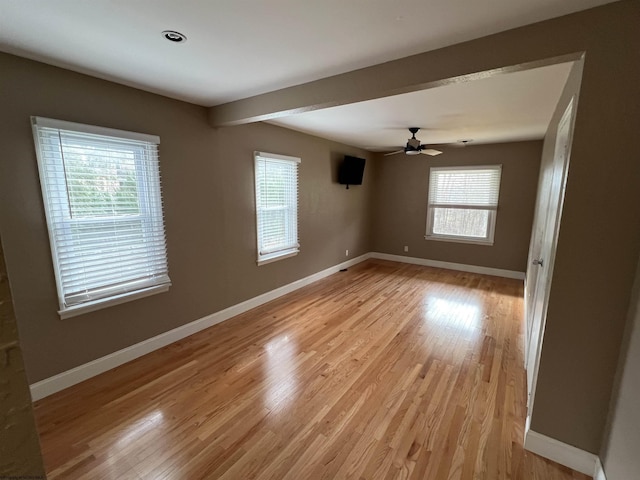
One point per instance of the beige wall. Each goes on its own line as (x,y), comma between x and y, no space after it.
(20,455)
(620,449)
(400,204)
(207,177)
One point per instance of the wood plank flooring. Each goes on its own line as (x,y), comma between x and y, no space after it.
(387,371)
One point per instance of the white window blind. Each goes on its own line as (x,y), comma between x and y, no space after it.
(276,179)
(462,203)
(101,190)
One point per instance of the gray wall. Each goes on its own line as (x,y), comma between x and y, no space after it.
(400,202)
(622,442)
(207,177)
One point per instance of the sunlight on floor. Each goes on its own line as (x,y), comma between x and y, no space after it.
(281,380)
(453,313)
(147,423)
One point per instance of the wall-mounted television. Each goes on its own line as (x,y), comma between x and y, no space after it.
(351,171)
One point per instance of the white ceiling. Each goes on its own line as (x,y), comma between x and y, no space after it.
(239,48)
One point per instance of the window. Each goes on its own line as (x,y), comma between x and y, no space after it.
(276,206)
(101,192)
(462,203)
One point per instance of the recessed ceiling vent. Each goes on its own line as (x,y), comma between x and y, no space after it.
(173,36)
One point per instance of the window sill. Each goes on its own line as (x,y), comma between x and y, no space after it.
(87,307)
(274,257)
(486,243)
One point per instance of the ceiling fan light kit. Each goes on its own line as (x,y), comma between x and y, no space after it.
(431,151)
(414,147)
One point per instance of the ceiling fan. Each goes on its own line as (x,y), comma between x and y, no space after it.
(414,147)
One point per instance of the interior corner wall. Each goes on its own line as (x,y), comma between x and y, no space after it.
(207,179)
(619,451)
(400,203)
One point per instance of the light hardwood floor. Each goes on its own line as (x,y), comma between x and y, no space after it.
(385,371)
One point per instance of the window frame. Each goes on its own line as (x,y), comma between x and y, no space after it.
(286,251)
(59,215)
(488,240)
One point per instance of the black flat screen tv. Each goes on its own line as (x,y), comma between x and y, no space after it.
(351,171)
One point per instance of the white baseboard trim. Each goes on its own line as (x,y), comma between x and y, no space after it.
(562,453)
(598,474)
(497,272)
(63,380)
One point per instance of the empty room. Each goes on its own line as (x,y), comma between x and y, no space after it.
(319,240)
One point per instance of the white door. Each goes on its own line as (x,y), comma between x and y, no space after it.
(543,247)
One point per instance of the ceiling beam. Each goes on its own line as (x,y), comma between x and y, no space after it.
(510,51)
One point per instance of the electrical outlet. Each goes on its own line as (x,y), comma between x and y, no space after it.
(346,253)
(406,248)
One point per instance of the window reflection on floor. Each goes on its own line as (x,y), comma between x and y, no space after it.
(144,425)
(280,376)
(463,314)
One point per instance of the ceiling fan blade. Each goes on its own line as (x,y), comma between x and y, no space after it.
(458,144)
(430,151)
(393,153)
